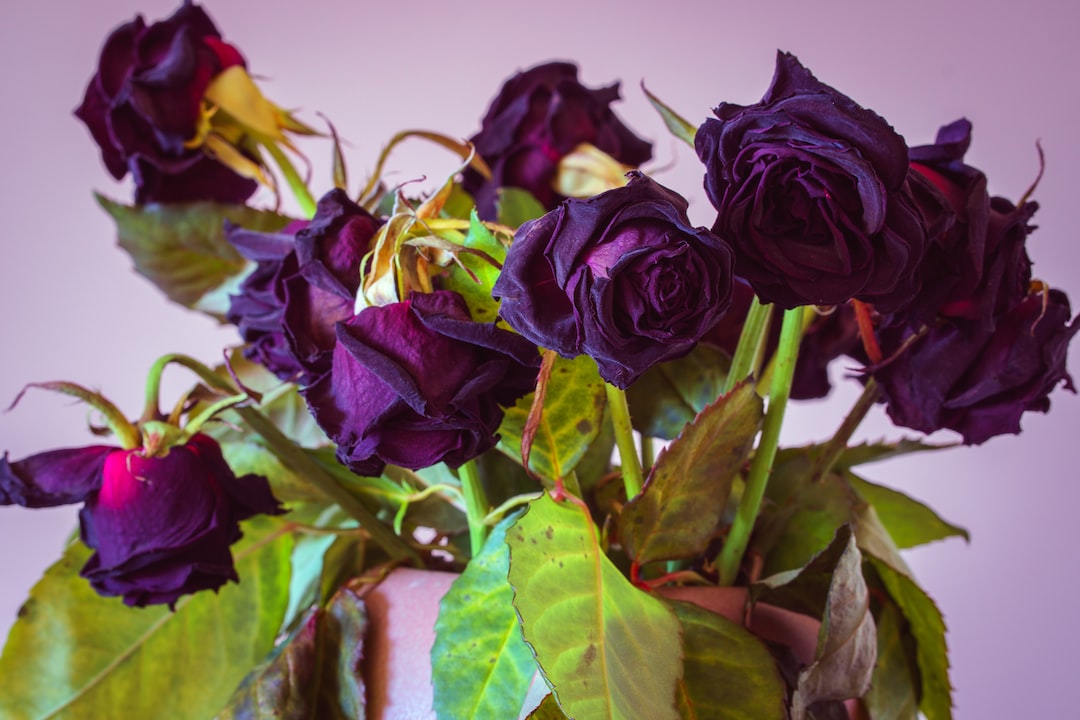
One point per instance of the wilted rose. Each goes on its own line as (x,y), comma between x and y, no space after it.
(811,190)
(161,526)
(419,382)
(539,117)
(143,108)
(622,277)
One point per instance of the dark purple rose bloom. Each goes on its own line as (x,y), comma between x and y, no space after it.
(161,527)
(812,191)
(622,277)
(418,382)
(144,103)
(305,282)
(540,116)
(979,382)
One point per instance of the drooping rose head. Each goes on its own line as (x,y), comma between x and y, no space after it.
(622,277)
(419,382)
(304,283)
(160,526)
(811,190)
(143,106)
(540,116)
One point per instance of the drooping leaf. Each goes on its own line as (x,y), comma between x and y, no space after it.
(573,411)
(315,673)
(181,248)
(476,287)
(847,644)
(73,655)
(875,452)
(894,688)
(677,512)
(729,674)
(672,393)
(562,579)
(928,629)
(481,666)
(909,522)
(676,124)
(516,206)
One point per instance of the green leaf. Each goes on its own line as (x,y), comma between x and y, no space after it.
(676,514)
(909,522)
(315,673)
(516,206)
(573,412)
(593,633)
(729,673)
(847,644)
(181,247)
(481,666)
(548,709)
(894,689)
(928,628)
(671,394)
(476,288)
(679,127)
(75,655)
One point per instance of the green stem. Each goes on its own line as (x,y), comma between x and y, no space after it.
(624,439)
(839,442)
(292,178)
(751,347)
(738,538)
(152,408)
(476,505)
(648,453)
(294,457)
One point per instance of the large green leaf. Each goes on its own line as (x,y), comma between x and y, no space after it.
(729,674)
(927,627)
(677,512)
(573,412)
(909,522)
(894,689)
(182,249)
(75,655)
(315,674)
(481,666)
(672,393)
(607,649)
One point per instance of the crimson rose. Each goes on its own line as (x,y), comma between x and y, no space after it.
(161,526)
(622,277)
(811,190)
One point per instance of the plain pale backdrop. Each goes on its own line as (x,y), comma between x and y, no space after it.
(71,308)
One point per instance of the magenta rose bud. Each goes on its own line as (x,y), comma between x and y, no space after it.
(419,382)
(622,277)
(540,116)
(978,382)
(145,101)
(811,190)
(160,526)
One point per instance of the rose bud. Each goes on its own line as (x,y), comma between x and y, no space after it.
(305,282)
(418,382)
(160,525)
(143,107)
(622,277)
(811,191)
(978,382)
(539,117)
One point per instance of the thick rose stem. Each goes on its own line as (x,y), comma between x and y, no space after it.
(476,505)
(633,479)
(749,351)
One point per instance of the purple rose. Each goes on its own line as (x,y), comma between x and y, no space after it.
(622,277)
(418,382)
(540,116)
(979,382)
(161,526)
(144,105)
(305,282)
(812,191)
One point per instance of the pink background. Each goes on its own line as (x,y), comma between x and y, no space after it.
(71,308)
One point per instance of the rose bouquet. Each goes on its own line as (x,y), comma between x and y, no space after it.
(538,388)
